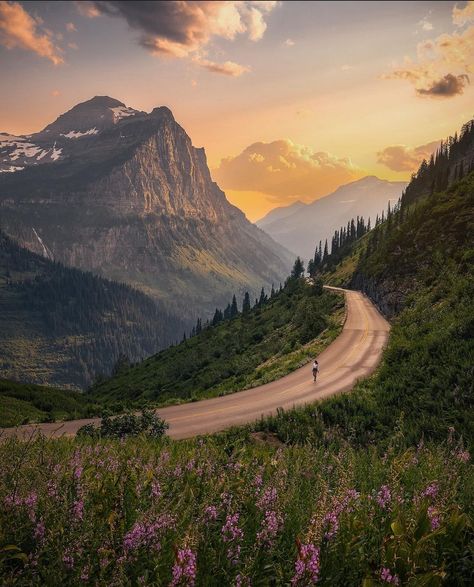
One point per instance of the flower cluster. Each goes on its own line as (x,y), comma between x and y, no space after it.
(147,534)
(271,524)
(232,535)
(307,566)
(386,576)
(184,568)
(384,497)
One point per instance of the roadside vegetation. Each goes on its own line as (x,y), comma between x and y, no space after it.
(259,345)
(225,511)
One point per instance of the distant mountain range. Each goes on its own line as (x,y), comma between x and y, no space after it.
(300,226)
(124,194)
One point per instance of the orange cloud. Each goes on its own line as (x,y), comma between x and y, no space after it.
(184,29)
(226,68)
(462,16)
(87,9)
(403,158)
(71,27)
(19,30)
(443,64)
(285,171)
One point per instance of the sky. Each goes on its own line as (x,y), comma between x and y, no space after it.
(289,99)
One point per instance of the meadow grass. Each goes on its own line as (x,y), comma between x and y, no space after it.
(225,511)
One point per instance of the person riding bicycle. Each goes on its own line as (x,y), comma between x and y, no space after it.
(315,369)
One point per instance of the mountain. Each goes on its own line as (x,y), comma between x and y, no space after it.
(61,326)
(279,213)
(305,227)
(123,193)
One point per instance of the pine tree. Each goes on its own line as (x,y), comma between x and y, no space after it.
(246,303)
(234,310)
(298,269)
(263,298)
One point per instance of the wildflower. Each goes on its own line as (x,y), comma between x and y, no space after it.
(40,531)
(384,496)
(184,569)
(307,565)
(431,491)
(463,456)
(434,518)
(387,577)
(210,513)
(271,524)
(332,521)
(78,510)
(68,560)
(156,489)
(232,534)
(268,498)
(78,472)
(147,534)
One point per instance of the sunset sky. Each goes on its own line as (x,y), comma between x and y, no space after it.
(289,99)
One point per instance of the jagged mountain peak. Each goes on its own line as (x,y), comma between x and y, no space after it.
(91,117)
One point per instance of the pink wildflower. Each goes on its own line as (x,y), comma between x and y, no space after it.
(307,565)
(384,496)
(387,577)
(184,569)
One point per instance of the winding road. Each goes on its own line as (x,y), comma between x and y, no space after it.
(353,355)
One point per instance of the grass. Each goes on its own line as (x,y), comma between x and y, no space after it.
(224,511)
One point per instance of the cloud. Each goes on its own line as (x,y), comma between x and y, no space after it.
(71,27)
(443,64)
(425,24)
(55,93)
(226,68)
(462,16)
(284,171)
(87,9)
(448,85)
(289,43)
(184,29)
(403,158)
(19,29)
(73,46)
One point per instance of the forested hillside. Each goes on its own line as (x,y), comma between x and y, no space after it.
(417,266)
(63,326)
(243,347)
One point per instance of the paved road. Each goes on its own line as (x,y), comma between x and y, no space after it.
(354,354)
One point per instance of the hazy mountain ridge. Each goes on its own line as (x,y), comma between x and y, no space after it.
(301,230)
(136,203)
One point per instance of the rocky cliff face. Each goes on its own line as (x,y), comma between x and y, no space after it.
(135,202)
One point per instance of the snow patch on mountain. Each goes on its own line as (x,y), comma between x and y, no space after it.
(11,169)
(77,134)
(56,154)
(123,112)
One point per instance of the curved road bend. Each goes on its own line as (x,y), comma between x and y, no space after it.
(354,354)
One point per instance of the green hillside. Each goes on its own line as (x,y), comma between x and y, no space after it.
(61,326)
(22,403)
(418,266)
(259,345)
